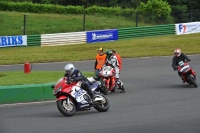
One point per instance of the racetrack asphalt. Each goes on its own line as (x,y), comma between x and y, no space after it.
(156,101)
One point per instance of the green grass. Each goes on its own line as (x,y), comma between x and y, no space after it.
(35,77)
(11,23)
(152,46)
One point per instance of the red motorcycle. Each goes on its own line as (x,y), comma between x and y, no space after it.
(188,74)
(71,98)
(108,78)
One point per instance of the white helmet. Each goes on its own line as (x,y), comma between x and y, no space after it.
(69,69)
(177,52)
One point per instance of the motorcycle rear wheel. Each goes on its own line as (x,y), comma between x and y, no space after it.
(65,109)
(103,107)
(192,81)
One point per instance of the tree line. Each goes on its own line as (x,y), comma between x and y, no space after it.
(175,4)
(180,10)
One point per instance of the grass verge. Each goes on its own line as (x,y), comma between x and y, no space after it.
(35,77)
(12,23)
(152,46)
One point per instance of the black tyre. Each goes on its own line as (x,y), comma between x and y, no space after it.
(104,90)
(66,110)
(103,107)
(114,88)
(192,81)
(123,90)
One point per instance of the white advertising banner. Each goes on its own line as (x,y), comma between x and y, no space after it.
(187,28)
(59,39)
(7,41)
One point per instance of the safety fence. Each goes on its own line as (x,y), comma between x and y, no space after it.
(86,37)
(34,40)
(146,31)
(26,93)
(63,39)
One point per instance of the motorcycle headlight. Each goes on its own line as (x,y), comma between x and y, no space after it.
(105,75)
(57,90)
(186,70)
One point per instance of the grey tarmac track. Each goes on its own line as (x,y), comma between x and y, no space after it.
(156,101)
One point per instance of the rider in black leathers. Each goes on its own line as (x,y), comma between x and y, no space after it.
(74,74)
(178,56)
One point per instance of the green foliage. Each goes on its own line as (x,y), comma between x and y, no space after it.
(39,8)
(155,9)
(179,13)
(104,10)
(50,8)
(18,0)
(185,10)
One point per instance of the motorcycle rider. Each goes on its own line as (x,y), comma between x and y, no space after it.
(113,62)
(178,56)
(118,58)
(74,74)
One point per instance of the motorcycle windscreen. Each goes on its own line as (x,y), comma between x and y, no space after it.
(181,63)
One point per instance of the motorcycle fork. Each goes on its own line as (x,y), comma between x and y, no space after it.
(184,77)
(107,83)
(68,100)
(112,82)
(193,72)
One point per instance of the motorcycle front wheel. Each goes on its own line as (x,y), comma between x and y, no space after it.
(67,109)
(192,81)
(102,107)
(104,90)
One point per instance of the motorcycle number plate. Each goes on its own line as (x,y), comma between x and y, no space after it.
(106,74)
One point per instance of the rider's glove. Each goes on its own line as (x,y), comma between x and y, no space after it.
(69,80)
(112,66)
(175,68)
(52,86)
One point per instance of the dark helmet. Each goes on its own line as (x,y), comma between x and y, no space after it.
(109,53)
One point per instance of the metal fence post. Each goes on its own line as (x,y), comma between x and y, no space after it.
(24,24)
(191,15)
(84,14)
(136,19)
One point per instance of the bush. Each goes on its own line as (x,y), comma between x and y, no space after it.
(50,8)
(156,10)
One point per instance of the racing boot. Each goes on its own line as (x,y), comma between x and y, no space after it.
(86,87)
(123,89)
(93,97)
(121,86)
